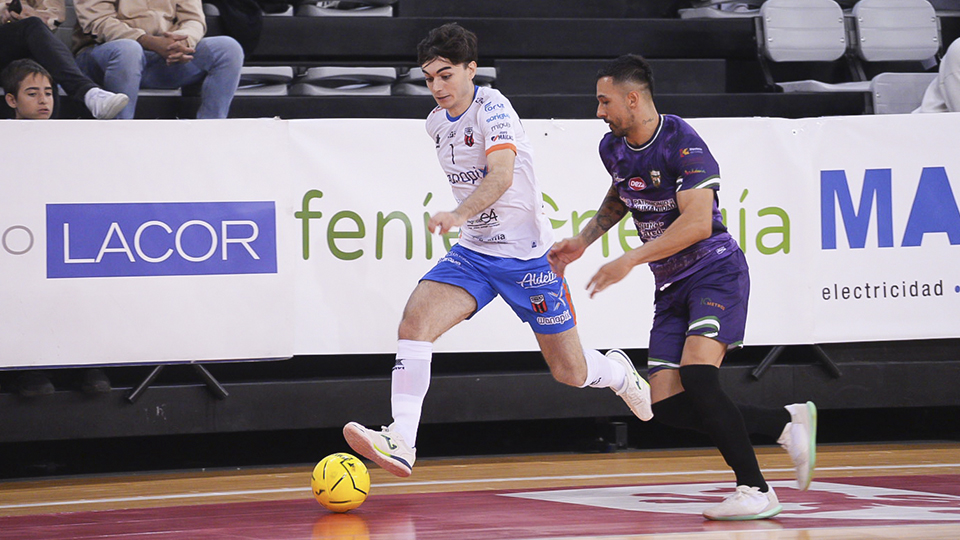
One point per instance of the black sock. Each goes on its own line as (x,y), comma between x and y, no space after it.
(723,422)
(763,420)
(678,411)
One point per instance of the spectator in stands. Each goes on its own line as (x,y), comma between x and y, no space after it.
(664,175)
(25,32)
(29,90)
(133,44)
(943,94)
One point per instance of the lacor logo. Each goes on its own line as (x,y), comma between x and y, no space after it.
(161,239)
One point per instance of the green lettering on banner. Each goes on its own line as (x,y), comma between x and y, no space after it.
(333,234)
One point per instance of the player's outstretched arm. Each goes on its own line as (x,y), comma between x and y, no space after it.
(498,180)
(694,224)
(566,251)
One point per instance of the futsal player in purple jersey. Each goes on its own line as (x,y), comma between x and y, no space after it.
(664,175)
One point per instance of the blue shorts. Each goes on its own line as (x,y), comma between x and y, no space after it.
(712,303)
(536,294)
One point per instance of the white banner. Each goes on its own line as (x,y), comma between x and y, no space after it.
(172,241)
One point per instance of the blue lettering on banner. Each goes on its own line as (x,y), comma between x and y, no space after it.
(161,239)
(934,209)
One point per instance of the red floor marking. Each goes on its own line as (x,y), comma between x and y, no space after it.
(512,515)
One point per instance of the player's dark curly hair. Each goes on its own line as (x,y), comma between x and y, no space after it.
(629,68)
(450,41)
(18,70)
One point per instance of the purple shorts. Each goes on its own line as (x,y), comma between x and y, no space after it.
(711,303)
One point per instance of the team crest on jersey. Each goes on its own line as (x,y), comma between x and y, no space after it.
(539,303)
(655,178)
(637,184)
(468,136)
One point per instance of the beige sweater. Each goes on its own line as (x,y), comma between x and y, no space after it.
(53,12)
(100,21)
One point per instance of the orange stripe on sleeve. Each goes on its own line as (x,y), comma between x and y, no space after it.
(504,146)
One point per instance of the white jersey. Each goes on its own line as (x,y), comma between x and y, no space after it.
(515,226)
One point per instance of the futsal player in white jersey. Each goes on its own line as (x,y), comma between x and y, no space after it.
(504,239)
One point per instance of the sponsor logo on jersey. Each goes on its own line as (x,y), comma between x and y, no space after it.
(688,172)
(501,125)
(486,218)
(467,177)
(637,184)
(645,205)
(691,150)
(708,302)
(490,107)
(655,178)
(559,319)
(161,239)
(539,303)
(502,136)
(533,280)
(468,136)
(494,118)
(438,140)
(648,230)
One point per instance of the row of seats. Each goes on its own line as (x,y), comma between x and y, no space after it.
(874,31)
(340,81)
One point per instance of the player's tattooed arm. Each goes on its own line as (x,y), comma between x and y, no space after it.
(610,213)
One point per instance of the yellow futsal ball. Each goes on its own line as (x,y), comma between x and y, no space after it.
(340,482)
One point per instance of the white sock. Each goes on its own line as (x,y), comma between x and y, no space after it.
(409,383)
(603,372)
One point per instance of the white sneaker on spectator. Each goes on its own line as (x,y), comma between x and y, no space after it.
(745,503)
(386,448)
(104,105)
(799,439)
(635,391)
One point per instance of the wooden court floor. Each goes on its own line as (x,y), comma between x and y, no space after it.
(902,491)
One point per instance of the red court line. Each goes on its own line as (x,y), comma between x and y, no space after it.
(490,514)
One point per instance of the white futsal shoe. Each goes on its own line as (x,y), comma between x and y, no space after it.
(635,391)
(745,503)
(799,439)
(386,448)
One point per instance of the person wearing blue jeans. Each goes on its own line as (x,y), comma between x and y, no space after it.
(128,45)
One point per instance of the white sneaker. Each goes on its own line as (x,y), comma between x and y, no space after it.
(799,439)
(745,503)
(635,391)
(104,105)
(385,448)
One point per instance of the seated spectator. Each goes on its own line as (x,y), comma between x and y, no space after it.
(943,94)
(29,90)
(25,33)
(133,44)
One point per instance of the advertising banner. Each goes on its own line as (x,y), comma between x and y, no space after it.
(144,242)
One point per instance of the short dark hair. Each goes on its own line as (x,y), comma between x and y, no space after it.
(450,41)
(629,68)
(18,70)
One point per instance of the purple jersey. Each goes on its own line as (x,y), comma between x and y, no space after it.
(648,179)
